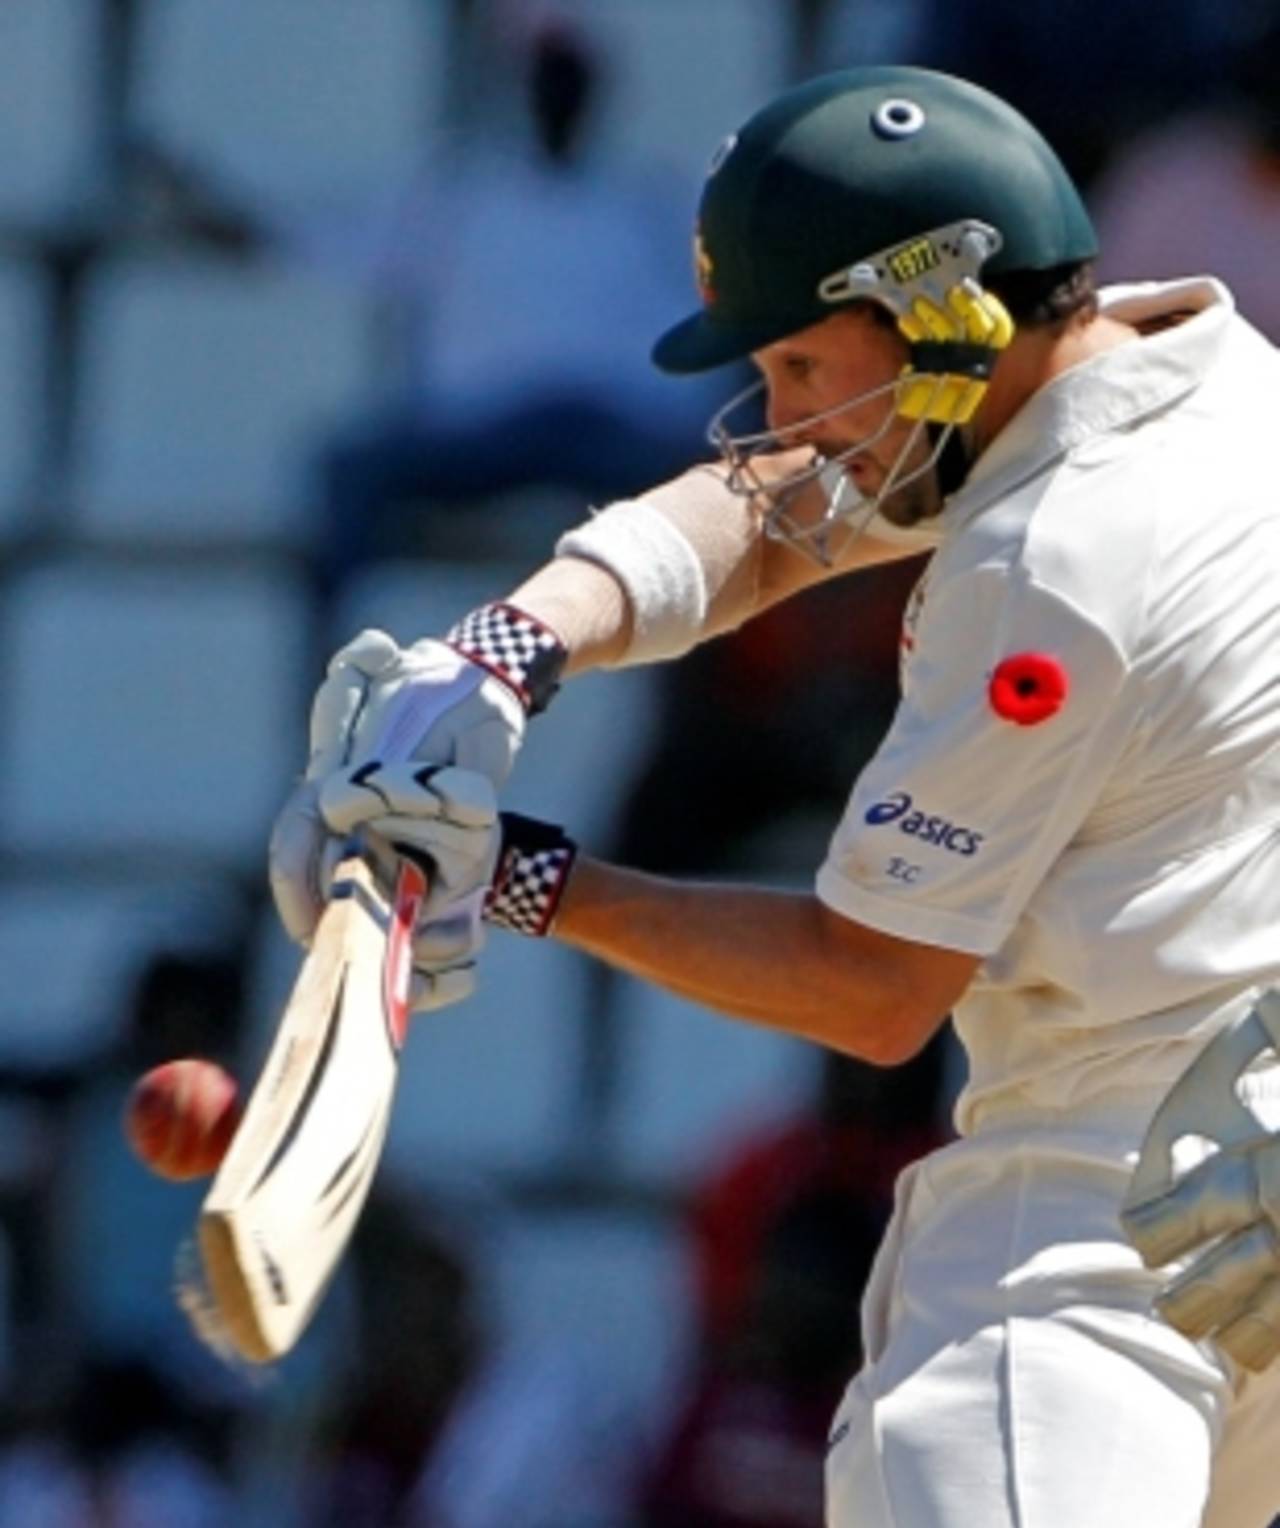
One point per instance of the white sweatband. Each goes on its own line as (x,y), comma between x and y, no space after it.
(659,570)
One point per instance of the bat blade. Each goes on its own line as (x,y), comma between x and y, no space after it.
(286,1198)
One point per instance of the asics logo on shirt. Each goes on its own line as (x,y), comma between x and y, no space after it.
(940,831)
(886,810)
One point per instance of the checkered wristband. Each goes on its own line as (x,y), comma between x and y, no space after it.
(533,869)
(522,652)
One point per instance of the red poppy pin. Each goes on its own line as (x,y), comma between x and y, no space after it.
(1027,688)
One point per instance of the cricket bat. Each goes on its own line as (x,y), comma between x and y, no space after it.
(286,1198)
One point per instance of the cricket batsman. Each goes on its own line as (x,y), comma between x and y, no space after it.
(1069,840)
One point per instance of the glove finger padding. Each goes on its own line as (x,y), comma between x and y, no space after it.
(433,989)
(1253,1338)
(443,815)
(302,857)
(453,935)
(1217,1286)
(445,949)
(426,702)
(434,792)
(1231,1291)
(336,709)
(1218,1197)
(1223,1215)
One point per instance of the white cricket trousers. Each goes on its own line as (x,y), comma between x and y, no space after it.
(1015,1377)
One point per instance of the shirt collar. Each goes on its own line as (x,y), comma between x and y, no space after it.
(1108,391)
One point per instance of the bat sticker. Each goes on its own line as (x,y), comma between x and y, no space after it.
(397,967)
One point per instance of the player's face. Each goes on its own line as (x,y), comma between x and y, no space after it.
(817,382)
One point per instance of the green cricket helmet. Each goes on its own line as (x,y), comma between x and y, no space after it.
(896,186)
(862,184)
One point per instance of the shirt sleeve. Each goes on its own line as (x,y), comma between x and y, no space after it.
(979,787)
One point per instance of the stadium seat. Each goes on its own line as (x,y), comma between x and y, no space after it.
(692,1083)
(49,54)
(73,945)
(584,1342)
(417,599)
(206,387)
(490,1086)
(149,710)
(294,103)
(610,1287)
(22,375)
(685,75)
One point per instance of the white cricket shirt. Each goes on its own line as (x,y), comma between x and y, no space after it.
(1117,861)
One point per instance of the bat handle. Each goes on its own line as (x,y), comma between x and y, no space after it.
(412,888)
(397,968)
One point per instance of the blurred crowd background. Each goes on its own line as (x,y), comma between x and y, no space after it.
(317,314)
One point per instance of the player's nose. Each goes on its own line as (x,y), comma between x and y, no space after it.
(786,420)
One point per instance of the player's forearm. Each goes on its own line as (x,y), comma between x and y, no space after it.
(752,953)
(585,606)
(650,579)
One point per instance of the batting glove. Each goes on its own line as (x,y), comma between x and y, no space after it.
(1218,1223)
(462,701)
(486,866)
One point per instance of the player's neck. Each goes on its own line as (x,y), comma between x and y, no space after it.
(1033,360)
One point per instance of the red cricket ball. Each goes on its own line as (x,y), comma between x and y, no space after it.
(181,1116)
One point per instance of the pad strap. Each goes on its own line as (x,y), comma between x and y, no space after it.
(517,648)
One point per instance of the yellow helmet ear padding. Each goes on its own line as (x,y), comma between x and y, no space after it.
(953,352)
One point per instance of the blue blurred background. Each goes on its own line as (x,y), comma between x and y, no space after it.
(317,314)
